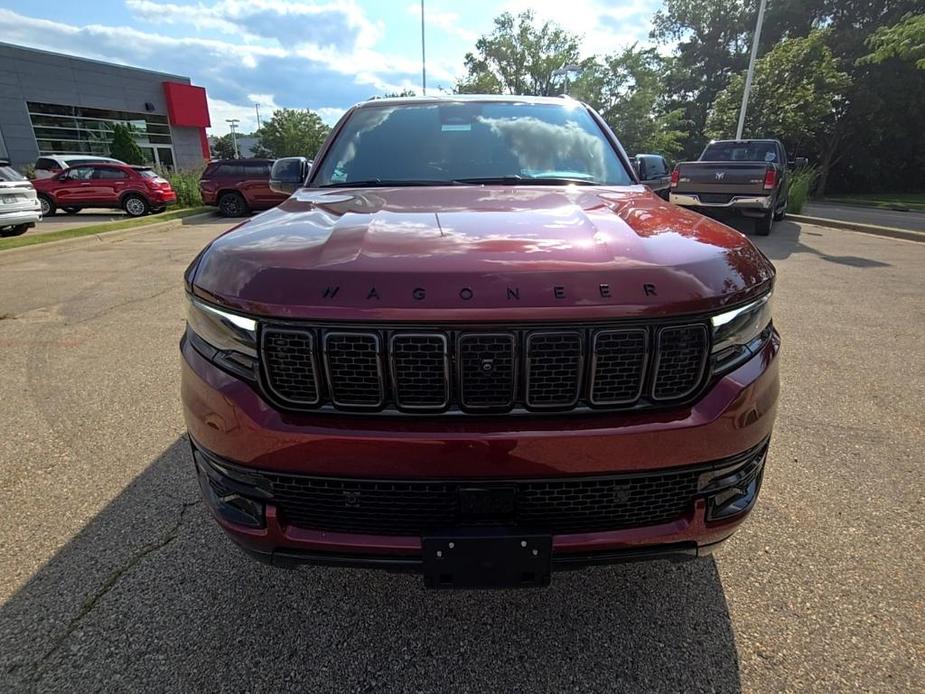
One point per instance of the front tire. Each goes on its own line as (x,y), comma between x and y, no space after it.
(17,230)
(48,205)
(763,224)
(232,205)
(135,206)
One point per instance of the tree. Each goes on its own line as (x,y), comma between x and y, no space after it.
(520,58)
(224,147)
(123,146)
(797,96)
(291,133)
(904,40)
(627,90)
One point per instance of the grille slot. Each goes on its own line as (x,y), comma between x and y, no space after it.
(289,357)
(554,362)
(487,371)
(681,355)
(618,367)
(420,370)
(354,369)
(412,508)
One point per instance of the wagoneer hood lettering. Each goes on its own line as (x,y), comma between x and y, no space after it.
(477,252)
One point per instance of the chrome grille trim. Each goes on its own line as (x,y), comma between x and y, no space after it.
(396,384)
(332,385)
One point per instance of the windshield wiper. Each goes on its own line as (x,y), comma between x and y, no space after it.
(388,183)
(515,180)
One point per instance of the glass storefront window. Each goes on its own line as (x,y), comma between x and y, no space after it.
(61,129)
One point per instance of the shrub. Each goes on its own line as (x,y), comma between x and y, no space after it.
(186,185)
(802,181)
(123,146)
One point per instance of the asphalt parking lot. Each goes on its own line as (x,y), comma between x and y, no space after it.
(113,578)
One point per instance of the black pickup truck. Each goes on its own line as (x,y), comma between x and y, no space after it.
(748,177)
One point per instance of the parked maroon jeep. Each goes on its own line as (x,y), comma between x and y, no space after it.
(472,345)
(237,186)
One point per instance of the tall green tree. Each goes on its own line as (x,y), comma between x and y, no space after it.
(291,133)
(520,57)
(123,146)
(224,147)
(904,40)
(627,89)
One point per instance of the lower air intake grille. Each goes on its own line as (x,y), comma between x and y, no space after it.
(414,508)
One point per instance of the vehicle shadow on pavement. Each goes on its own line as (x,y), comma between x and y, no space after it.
(786,239)
(150,596)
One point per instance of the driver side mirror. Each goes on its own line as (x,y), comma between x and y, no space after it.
(288,174)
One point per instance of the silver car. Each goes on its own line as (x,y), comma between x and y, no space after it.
(19,205)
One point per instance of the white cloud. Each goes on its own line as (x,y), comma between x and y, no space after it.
(444,20)
(606,27)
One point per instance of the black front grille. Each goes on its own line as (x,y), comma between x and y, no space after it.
(486,370)
(290,361)
(553,369)
(419,370)
(413,508)
(682,354)
(354,369)
(479,372)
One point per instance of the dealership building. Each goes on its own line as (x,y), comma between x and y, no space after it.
(58,104)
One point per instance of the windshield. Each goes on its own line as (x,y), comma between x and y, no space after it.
(471,142)
(740,151)
(8,173)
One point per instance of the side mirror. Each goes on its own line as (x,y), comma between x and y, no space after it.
(288,174)
(798,162)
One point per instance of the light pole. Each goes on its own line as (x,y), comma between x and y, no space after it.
(423,56)
(751,71)
(564,71)
(257,109)
(233,123)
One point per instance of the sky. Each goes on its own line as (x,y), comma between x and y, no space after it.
(320,54)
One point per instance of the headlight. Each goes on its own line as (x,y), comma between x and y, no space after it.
(226,338)
(738,333)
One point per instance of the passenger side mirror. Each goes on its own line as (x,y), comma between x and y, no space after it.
(797,162)
(288,174)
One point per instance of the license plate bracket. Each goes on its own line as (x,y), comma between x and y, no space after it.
(487,558)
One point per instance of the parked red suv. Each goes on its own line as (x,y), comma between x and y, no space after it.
(472,345)
(136,189)
(237,186)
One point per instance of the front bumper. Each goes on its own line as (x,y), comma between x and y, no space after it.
(738,202)
(230,421)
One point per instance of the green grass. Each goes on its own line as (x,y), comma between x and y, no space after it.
(914,201)
(29,239)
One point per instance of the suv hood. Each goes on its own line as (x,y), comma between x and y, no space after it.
(485,253)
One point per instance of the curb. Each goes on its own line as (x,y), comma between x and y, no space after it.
(100,236)
(889,232)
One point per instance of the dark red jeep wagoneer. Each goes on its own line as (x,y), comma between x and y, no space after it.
(472,345)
